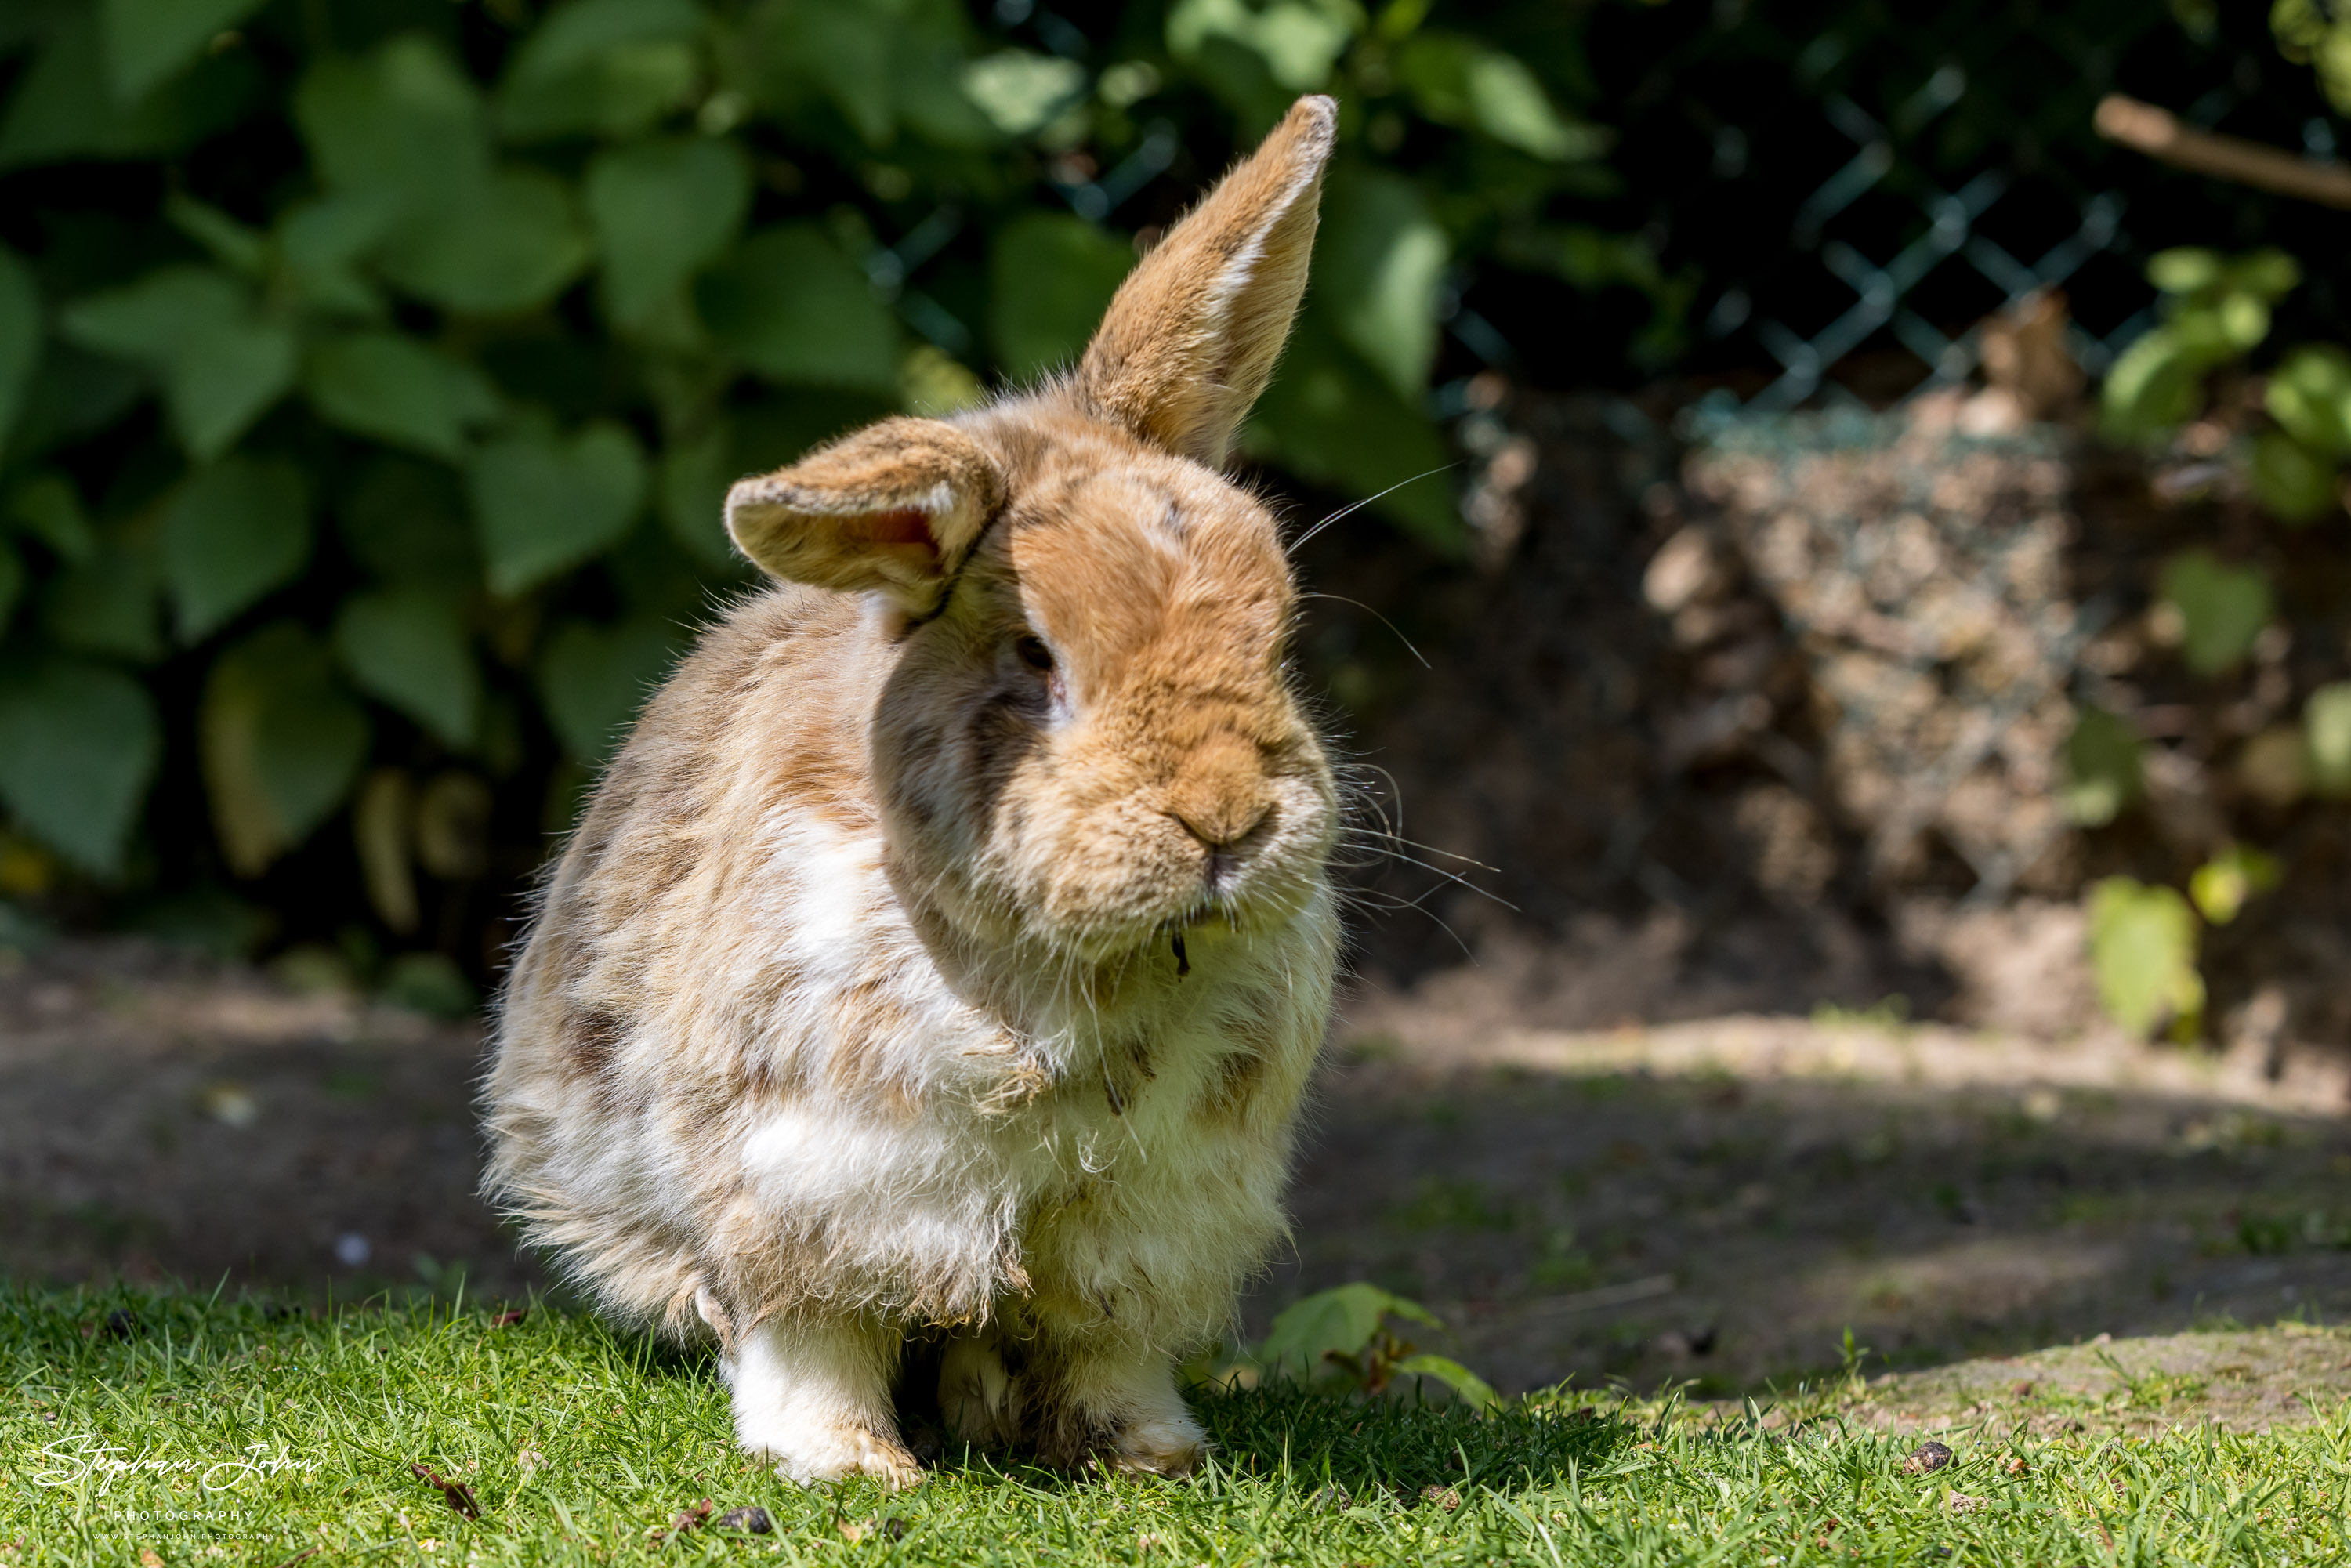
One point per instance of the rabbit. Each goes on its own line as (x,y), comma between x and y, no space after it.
(929,988)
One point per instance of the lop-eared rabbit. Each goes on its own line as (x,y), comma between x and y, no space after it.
(922,1006)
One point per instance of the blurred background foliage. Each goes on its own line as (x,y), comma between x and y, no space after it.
(370,371)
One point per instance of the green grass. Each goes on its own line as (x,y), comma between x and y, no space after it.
(579,1443)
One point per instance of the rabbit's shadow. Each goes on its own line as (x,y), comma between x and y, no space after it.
(1349,1450)
(1343,1452)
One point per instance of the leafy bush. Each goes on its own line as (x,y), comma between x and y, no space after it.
(370,374)
(2217,311)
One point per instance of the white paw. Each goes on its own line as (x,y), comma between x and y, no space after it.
(814,1456)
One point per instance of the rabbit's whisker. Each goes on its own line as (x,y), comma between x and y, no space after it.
(1456,878)
(1398,905)
(1353,507)
(1343,599)
(1414,843)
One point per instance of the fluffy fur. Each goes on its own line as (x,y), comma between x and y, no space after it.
(943,959)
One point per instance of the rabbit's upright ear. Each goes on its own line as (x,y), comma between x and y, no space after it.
(894,508)
(1192,337)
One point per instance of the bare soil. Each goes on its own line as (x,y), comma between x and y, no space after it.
(2239,1380)
(1713,1201)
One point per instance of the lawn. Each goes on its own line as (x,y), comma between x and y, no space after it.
(138,1428)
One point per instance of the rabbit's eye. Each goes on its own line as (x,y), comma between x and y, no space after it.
(1034,653)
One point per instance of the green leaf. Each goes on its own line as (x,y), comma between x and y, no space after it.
(106,603)
(1474,1390)
(791,307)
(2103,771)
(402,132)
(2143,954)
(1513,108)
(48,506)
(696,472)
(148,40)
(408,522)
(1330,419)
(2297,483)
(1456,80)
(624,91)
(579,32)
(2318,35)
(1341,1321)
(603,67)
(510,242)
(2157,386)
(322,242)
(2244,319)
(407,647)
(1297,40)
(2223,608)
(232,532)
(404,120)
(61,108)
(926,71)
(844,51)
(2221,886)
(79,747)
(663,210)
(545,504)
(1379,259)
(2268,274)
(280,741)
(74,393)
(20,338)
(220,360)
(241,249)
(1021,92)
(2310,395)
(389,386)
(2185,269)
(12,584)
(2326,731)
(1050,277)
(592,679)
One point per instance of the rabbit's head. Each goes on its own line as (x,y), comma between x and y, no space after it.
(1088,735)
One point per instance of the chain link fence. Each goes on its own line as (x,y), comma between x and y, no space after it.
(1849,188)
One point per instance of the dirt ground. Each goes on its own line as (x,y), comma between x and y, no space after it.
(1715,1200)
(2239,1380)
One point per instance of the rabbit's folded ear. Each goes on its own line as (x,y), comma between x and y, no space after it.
(894,507)
(1192,337)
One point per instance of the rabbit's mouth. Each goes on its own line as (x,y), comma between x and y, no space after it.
(1212,917)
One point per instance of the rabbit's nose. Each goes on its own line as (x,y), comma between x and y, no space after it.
(1220,795)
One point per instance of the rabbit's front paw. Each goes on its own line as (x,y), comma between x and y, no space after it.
(813,1394)
(815,1454)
